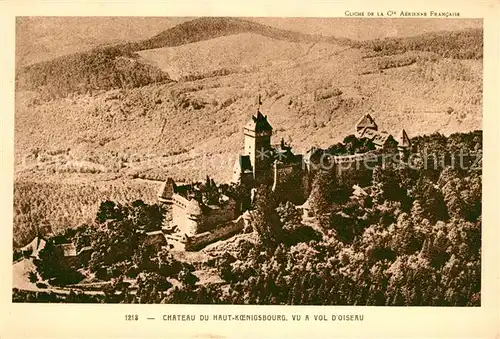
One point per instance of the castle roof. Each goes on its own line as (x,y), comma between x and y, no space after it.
(381,138)
(366,121)
(403,139)
(378,138)
(68,250)
(167,189)
(258,123)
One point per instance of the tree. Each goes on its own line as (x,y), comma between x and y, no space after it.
(52,266)
(431,200)
(322,189)
(405,237)
(151,287)
(266,220)
(387,186)
(108,210)
(186,277)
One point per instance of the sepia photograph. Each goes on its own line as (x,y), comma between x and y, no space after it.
(248,161)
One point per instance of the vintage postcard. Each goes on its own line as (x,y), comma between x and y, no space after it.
(221,173)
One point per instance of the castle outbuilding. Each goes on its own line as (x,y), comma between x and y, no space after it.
(364,123)
(367,128)
(197,212)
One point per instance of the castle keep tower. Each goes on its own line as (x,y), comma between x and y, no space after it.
(258,133)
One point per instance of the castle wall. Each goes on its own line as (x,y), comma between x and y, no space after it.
(223,231)
(181,218)
(349,162)
(215,217)
(359,166)
(289,182)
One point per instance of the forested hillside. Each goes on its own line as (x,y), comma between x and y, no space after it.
(212,27)
(466,44)
(413,239)
(89,127)
(41,208)
(117,66)
(100,69)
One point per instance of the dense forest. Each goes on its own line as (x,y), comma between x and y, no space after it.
(44,207)
(206,28)
(100,69)
(413,238)
(466,44)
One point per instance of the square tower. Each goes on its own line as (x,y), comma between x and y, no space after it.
(258,133)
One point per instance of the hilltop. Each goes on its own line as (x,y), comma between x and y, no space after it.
(119,65)
(44,38)
(100,69)
(213,27)
(464,44)
(41,39)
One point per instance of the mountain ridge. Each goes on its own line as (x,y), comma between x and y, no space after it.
(97,69)
(206,28)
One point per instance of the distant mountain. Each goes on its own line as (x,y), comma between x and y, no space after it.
(212,27)
(119,66)
(45,38)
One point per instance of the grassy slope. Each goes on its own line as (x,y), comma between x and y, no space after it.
(116,66)
(242,53)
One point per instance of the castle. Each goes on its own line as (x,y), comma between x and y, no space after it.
(202,213)
(262,163)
